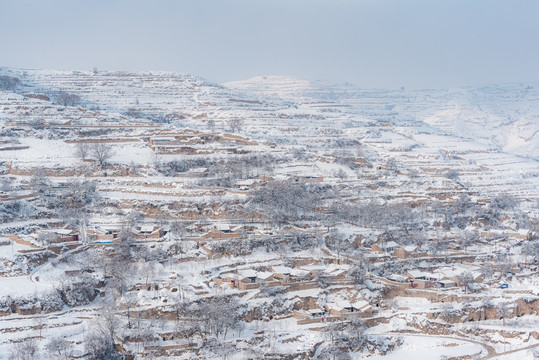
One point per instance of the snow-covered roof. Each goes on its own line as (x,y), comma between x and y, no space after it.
(283,270)
(298,272)
(361,305)
(198,170)
(247,273)
(397,277)
(313,267)
(222,227)
(418,273)
(391,244)
(264,275)
(447,282)
(146,228)
(61,231)
(247,182)
(335,272)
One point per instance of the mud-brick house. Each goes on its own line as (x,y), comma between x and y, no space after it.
(422,280)
(197,172)
(63,235)
(281,273)
(264,277)
(245,185)
(224,231)
(246,279)
(383,247)
(59,185)
(284,274)
(405,252)
(454,273)
(336,273)
(310,316)
(308,178)
(524,234)
(147,232)
(163,141)
(343,308)
(106,232)
(446,283)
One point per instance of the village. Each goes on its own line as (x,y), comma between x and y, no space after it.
(207,240)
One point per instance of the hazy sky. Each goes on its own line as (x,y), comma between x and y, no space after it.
(378,43)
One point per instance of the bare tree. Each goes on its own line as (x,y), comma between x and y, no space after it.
(465,279)
(82,150)
(392,165)
(133,218)
(358,272)
(46,238)
(60,347)
(26,350)
(68,100)
(467,238)
(211,125)
(40,323)
(235,124)
(337,242)
(9,82)
(102,153)
(218,315)
(452,175)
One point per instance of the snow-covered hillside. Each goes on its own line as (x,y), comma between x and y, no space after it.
(158,215)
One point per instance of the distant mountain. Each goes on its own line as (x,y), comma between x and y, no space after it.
(504,116)
(490,135)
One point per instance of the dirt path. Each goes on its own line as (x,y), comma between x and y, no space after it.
(491,352)
(512,351)
(48,263)
(20,241)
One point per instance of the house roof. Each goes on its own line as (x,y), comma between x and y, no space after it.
(447,281)
(283,270)
(147,228)
(397,277)
(264,275)
(247,182)
(335,306)
(313,267)
(247,273)
(343,303)
(361,304)
(298,272)
(391,244)
(61,231)
(198,170)
(222,227)
(335,272)
(418,273)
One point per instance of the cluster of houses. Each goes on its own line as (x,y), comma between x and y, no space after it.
(97,233)
(400,252)
(247,279)
(335,310)
(299,278)
(447,277)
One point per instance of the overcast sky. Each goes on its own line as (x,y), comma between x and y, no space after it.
(376,43)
